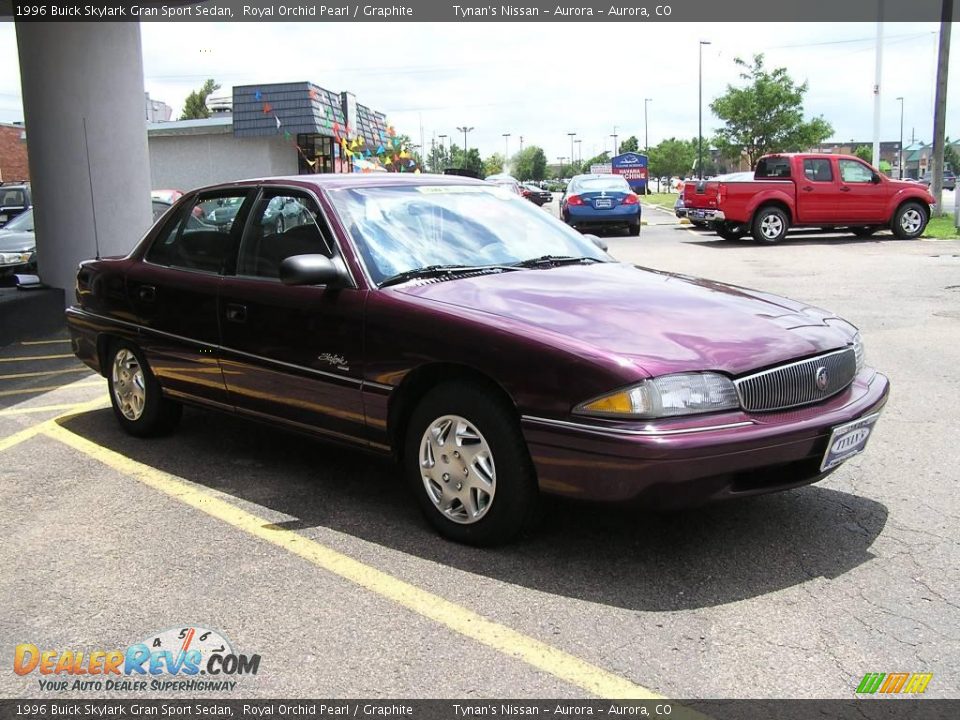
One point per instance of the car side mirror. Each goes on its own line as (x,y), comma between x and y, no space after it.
(599,242)
(311,270)
(875,178)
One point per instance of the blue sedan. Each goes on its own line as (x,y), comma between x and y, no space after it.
(600,200)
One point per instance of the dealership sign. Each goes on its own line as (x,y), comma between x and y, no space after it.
(633,167)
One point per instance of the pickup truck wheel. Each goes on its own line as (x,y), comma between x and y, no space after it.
(909,221)
(468,465)
(770,225)
(135,394)
(729,232)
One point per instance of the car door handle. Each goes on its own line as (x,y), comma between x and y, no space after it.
(844,189)
(808,188)
(147,293)
(237,313)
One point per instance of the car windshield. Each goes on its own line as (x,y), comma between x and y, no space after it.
(399,229)
(599,184)
(21,223)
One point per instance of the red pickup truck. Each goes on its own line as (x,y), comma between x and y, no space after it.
(809,190)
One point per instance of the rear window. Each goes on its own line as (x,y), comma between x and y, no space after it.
(613,182)
(774,167)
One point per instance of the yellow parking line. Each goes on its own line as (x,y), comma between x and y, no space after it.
(457,618)
(46,372)
(48,388)
(44,342)
(37,357)
(36,409)
(43,426)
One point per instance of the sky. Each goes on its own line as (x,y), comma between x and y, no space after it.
(544,80)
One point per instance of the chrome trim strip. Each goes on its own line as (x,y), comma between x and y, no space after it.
(780,368)
(221,348)
(566,424)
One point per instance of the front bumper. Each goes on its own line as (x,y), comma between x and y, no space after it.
(693,460)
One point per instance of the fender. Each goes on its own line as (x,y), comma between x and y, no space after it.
(778,195)
(902,196)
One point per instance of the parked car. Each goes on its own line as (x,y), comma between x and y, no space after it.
(535,194)
(600,201)
(15,198)
(18,246)
(816,191)
(506,181)
(493,351)
(949,180)
(167,196)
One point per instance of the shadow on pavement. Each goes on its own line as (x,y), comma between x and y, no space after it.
(794,238)
(609,555)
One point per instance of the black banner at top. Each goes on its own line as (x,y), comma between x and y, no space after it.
(627,11)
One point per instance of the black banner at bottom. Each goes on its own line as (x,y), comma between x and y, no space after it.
(853,709)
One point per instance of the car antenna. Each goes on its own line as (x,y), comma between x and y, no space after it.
(93,206)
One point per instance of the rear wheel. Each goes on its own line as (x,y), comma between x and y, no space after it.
(634,229)
(468,465)
(770,225)
(135,394)
(909,221)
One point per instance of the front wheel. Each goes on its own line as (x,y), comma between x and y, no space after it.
(135,394)
(770,225)
(468,465)
(909,221)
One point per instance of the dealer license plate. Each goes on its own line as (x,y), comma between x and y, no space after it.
(848,440)
(603,203)
(699,214)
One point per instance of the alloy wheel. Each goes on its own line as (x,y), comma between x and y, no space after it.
(911,221)
(771,226)
(129,387)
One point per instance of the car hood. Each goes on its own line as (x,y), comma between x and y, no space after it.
(11,241)
(659,322)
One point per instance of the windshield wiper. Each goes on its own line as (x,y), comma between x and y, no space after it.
(439,271)
(554,260)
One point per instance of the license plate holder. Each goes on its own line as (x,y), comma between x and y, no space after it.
(603,203)
(848,440)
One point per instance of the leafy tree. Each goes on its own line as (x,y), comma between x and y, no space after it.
(493,164)
(672,157)
(864,152)
(766,115)
(631,144)
(473,160)
(600,159)
(951,158)
(529,164)
(438,158)
(195,106)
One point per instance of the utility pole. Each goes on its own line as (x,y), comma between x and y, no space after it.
(580,153)
(901,137)
(572,156)
(506,150)
(940,104)
(614,136)
(561,159)
(700,114)
(521,143)
(878,71)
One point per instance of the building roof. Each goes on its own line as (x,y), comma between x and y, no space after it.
(215,125)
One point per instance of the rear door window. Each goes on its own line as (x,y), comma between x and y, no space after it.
(817,170)
(202,235)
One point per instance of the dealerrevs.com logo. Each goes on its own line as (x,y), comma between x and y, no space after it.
(188,659)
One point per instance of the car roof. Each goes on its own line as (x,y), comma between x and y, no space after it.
(339,181)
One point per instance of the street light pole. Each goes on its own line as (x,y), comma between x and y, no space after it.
(646,133)
(521,143)
(580,152)
(700,114)
(901,137)
(506,149)
(572,156)
(561,159)
(443,150)
(614,136)
(464,130)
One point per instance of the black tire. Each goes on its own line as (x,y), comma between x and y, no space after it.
(515,493)
(864,232)
(634,229)
(909,221)
(770,225)
(729,232)
(157,415)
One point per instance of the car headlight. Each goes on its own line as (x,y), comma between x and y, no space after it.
(15,258)
(666,396)
(858,351)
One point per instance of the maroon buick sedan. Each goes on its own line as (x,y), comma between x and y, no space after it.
(495,352)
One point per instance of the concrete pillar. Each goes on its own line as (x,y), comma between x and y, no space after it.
(71,73)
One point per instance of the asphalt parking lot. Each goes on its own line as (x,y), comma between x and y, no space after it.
(315,557)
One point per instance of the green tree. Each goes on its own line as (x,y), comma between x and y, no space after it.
(672,157)
(493,164)
(864,152)
(766,115)
(473,160)
(600,159)
(951,158)
(529,164)
(438,159)
(631,144)
(195,106)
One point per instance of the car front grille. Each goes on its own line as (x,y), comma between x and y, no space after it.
(797,383)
